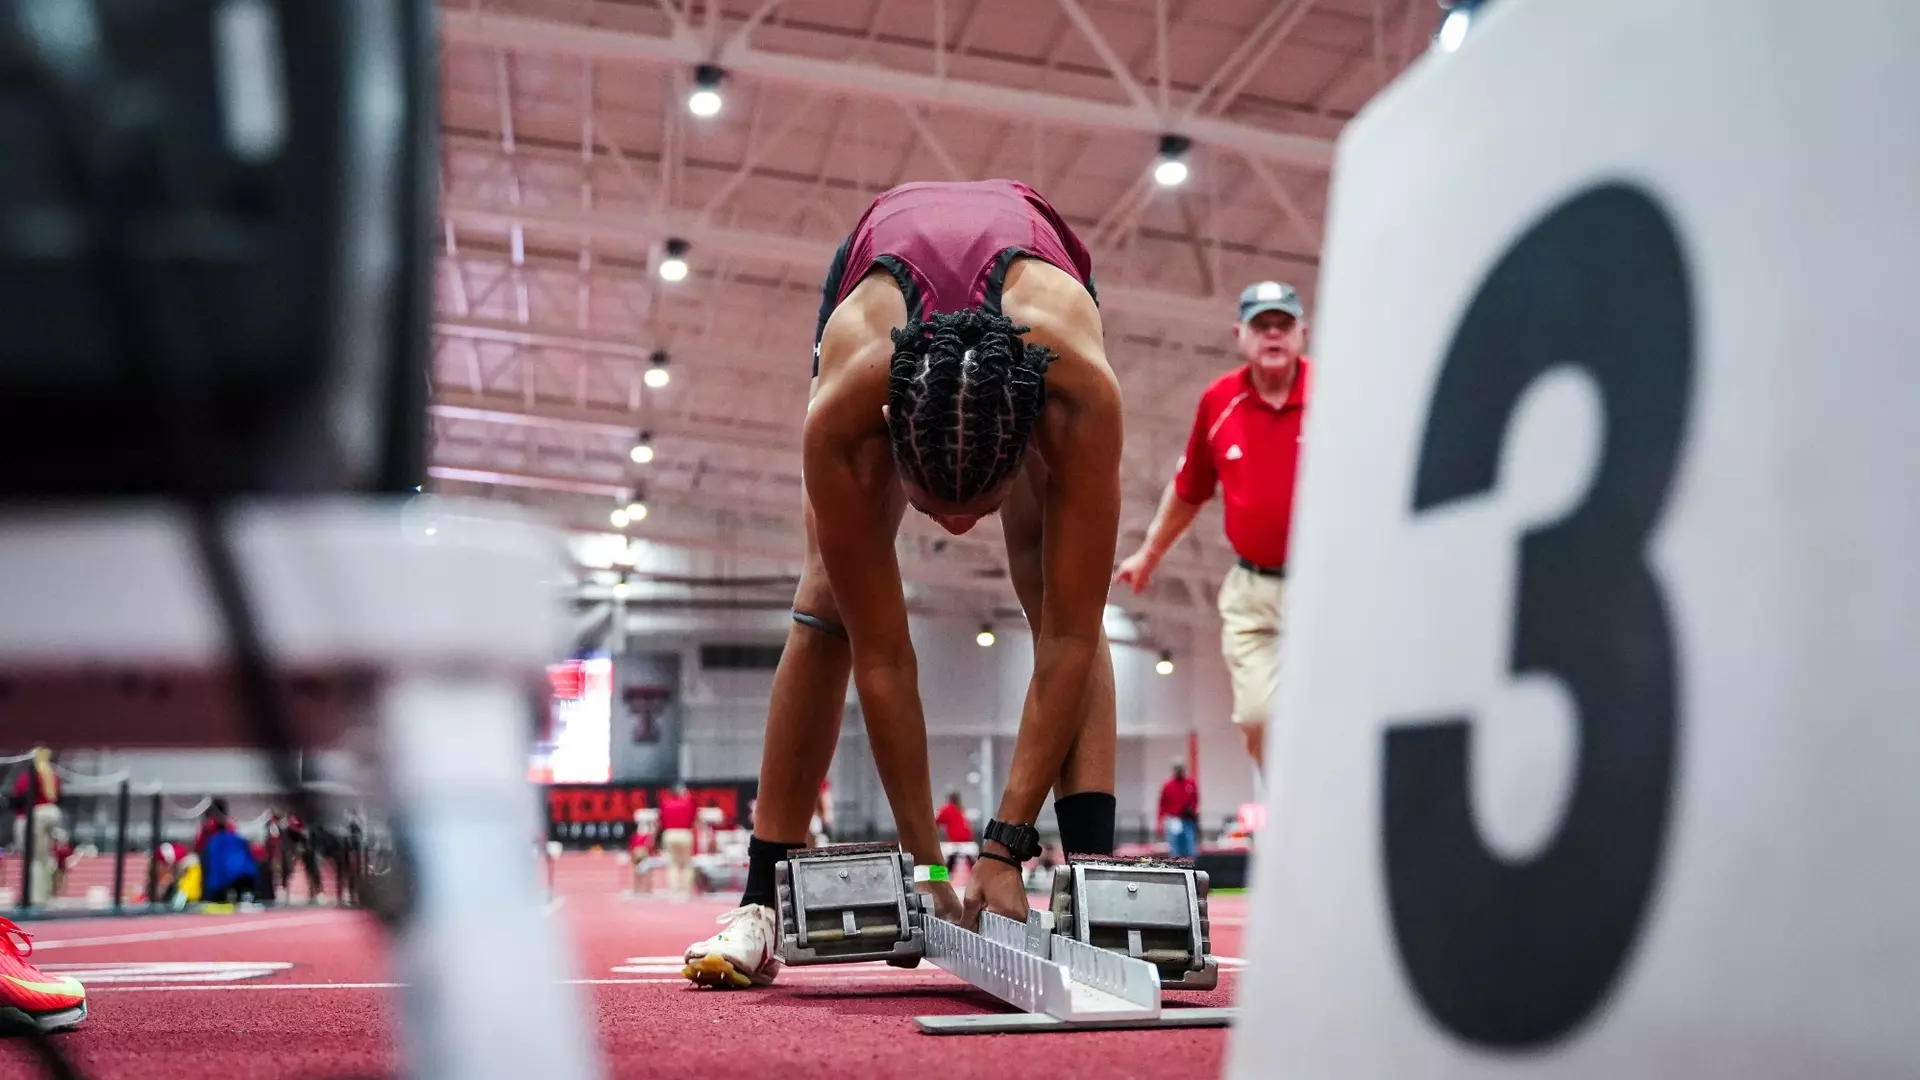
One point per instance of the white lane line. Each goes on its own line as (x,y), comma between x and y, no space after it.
(190,932)
(258,986)
(351,986)
(190,988)
(170,972)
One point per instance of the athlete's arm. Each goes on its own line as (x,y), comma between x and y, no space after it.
(850,483)
(1081,526)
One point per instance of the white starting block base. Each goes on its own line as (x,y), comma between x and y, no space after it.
(1079,988)
(1018,1023)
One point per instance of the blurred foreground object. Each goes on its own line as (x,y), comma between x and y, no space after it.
(1623,497)
(216,222)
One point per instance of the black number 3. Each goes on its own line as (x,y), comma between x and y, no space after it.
(1514,955)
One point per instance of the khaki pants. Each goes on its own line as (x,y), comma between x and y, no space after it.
(1250,641)
(678,846)
(46,818)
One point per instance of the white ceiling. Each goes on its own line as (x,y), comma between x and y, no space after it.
(569,157)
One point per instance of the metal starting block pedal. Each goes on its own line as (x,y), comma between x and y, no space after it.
(1151,910)
(849,903)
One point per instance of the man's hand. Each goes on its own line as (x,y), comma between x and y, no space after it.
(998,888)
(1136,571)
(946,902)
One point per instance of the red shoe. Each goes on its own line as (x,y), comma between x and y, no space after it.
(31,996)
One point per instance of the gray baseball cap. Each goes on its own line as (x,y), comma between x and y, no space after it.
(1270,296)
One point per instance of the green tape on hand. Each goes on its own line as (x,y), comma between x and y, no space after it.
(929,873)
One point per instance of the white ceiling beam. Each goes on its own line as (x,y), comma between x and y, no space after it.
(745,30)
(709,448)
(1116,66)
(1161,606)
(932,142)
(1259,61)
(502,478)
(1162,61)
(757,151)
(1303,226)
(674,15)
(865,80)
(677,510)
(472,150)
(612,423)
(755,530)
(507,333)
(643,229)
(706,360)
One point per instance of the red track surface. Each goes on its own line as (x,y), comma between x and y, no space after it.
(312,1020)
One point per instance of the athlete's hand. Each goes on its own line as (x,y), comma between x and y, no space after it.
(998,888)
(946,902)
(1136,571)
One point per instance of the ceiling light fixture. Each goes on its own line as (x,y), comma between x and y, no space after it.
(705,101)
(1171,168)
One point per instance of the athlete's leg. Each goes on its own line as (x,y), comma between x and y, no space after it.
(803,714)
(803,727)
(1083,796)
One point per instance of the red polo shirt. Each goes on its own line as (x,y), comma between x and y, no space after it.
(953,824)
(1251,451)
(677,812)
(1179,798)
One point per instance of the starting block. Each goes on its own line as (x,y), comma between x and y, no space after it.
(1152,911)
(847,904)
(1119,933)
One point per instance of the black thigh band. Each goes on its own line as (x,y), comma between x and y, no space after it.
(825,626)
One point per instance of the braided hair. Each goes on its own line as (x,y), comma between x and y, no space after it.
(963,394)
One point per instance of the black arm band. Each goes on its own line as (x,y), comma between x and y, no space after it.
(997,857)
(825,626)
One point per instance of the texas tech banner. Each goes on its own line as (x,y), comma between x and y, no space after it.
(581,815)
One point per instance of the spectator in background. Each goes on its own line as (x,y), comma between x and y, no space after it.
(298,843)
(212,820)
(36,806)
(275,867)
(228,871)
(180,877)
(1180,813)
(677,814)
(1246,442)
(955,831)
(642,847)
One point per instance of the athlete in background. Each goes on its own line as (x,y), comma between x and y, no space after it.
(959,369)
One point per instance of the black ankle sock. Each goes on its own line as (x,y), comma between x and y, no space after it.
(1086,823)
(761,857)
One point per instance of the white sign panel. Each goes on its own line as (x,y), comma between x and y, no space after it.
(1598,753)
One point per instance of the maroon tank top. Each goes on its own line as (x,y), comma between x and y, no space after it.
(948,245)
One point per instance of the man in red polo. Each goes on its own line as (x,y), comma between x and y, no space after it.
(1246,442)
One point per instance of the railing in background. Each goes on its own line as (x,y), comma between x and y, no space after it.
(86,851)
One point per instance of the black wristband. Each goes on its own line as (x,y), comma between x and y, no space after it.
(997,857)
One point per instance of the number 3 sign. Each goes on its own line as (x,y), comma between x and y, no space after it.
(1598,752)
